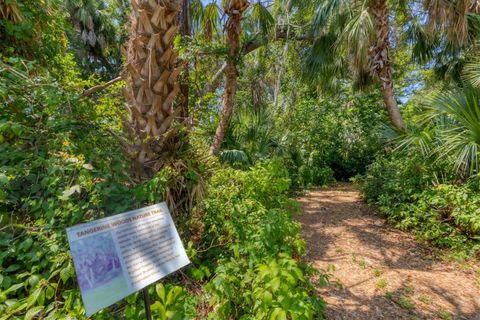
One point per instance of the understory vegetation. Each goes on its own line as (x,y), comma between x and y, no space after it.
(226,110)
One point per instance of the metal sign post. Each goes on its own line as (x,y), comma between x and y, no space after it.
(146,300)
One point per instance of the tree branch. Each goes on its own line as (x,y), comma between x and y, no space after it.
(100,87)
(215,83)
(248,48)
(281,35)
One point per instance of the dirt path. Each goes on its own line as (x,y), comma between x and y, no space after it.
(378,272)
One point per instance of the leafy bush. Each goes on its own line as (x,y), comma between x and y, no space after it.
(258,275)
(59,165)
(315,171)
(395,178)
(445,214)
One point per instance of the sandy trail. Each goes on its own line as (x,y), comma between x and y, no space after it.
(378,272)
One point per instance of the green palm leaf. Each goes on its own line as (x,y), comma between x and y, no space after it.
(458,112)
(472,73)
(262,18)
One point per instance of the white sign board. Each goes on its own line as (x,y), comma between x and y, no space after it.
(118,255)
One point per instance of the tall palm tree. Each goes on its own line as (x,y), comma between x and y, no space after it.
(379,59)
(234,9)
(358,32)
(152,86)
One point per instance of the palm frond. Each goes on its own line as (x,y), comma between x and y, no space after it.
(196,14)
(356,38)
(423,43)
(320,66)
(325,12)
(233,157)
(472,73)
(420,138)
(262,18)
(459,129)
(210,20)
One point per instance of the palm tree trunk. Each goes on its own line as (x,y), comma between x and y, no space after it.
(152,87)
(234,9)
(380,64)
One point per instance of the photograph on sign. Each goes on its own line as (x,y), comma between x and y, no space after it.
(119,255)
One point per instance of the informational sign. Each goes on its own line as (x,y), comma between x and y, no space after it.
(119,255)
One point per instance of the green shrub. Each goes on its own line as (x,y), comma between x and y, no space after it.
(395,178)
(257,275)
(316,176)
(447,215)
(59,166)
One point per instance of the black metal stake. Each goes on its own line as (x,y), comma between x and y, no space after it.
(146,300)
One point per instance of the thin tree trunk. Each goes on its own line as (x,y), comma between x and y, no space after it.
(216,81)
(380,64)
(184,86)
(234,9)
(228,102)
(283,59)
(392,107)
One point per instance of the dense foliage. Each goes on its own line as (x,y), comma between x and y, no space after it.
(445,213)
(259,274)
(247,103)
(61,165)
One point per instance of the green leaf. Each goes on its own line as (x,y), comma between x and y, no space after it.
(26,244)
(66,273)
(34,296)
(274,284)
(267,298)
(3,178)
(88,166)
(16,129)
(159,309)
(33,280)
(14,288)
(49,292)
(13,267)
(173,294)
(160,289)
(33,312)
(278,314)
(67,193)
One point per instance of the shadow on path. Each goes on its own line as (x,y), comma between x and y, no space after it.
(377,272)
